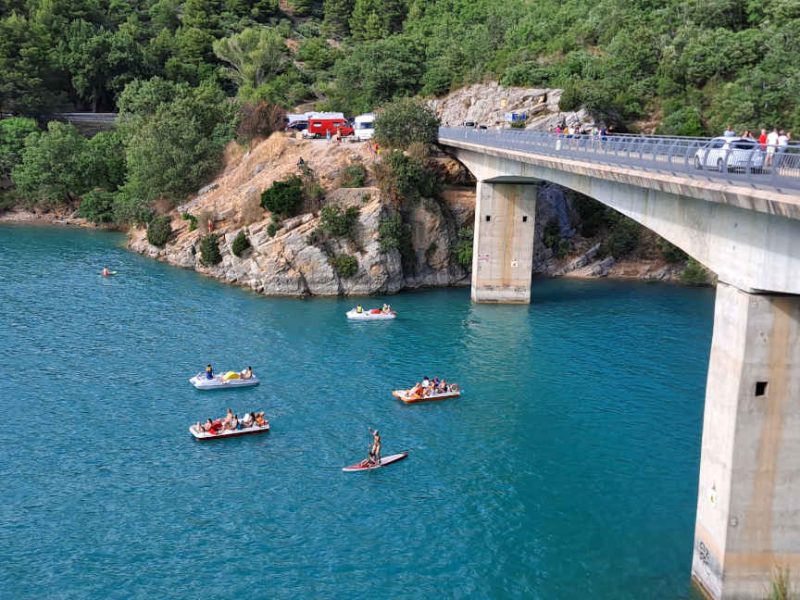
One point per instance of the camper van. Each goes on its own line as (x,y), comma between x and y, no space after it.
(364,127)
(322,127)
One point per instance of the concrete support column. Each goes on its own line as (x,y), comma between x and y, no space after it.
(502,253)
(748,507)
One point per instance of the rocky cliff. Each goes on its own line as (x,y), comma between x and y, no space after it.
(287,261)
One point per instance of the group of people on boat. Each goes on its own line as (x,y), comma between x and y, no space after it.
(232,422)
(432,387)
(386,310)
(245,374)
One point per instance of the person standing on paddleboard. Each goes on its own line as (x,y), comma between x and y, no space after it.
(375,450)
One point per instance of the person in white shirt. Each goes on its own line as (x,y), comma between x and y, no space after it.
(772,145)
(729,132)
(783,139)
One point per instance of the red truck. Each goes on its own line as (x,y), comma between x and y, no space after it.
(321,127)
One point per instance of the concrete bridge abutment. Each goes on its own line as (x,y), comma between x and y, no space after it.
(502,255)
(748,507)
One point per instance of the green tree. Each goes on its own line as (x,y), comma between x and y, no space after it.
(209,250)
(254,55)
(376,19)
(240,243)
(173,135)
(97,206)
(405,122)
(337,16)
(13,132)
(51,170)
(376,72)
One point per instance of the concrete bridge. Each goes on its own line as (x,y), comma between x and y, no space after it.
(739,215)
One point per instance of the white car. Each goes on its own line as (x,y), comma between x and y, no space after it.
(730,154)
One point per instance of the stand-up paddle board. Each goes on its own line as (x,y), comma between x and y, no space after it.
(386,460)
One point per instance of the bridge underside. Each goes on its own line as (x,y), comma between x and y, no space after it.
(748,510)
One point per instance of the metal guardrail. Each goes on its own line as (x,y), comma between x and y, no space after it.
(776,168)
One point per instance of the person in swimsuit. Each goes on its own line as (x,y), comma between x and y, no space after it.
(209,372)
(375,450)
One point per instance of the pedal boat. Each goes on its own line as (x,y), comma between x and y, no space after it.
(408,398)
(375,314)
(201,382)
(201,435)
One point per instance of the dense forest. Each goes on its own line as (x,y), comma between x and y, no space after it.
(179,72)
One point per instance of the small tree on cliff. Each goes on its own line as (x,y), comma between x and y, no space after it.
(284,197)
(405,122)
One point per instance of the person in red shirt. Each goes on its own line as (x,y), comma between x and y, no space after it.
(762,139)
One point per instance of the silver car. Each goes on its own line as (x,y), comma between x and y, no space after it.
(730,154)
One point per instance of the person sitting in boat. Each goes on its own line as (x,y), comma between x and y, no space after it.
(426,383)
(247,421)
(386,309)
(209,372)
(228,418)
(442,387)
(359,309)
(435,384)
(416,391)
(106,272)
(247,373)
(260,420)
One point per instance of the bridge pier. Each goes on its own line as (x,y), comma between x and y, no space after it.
(748,507)
(502,252)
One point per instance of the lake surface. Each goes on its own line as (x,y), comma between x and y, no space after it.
(568,469)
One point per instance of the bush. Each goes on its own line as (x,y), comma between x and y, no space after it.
(623,238)
(354,176)
(272,229)
(97,206)
(404,122)
(259,119)
(593,215)
(518,124)
(337,222)
(209,250)
(284,197)
(192,220)
(670,253)
(407,178)
(159,230)
(463,249)
(344,265)
(694,273)
(551,235)
(240,243)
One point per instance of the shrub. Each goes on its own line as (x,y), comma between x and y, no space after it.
(407,178)
(593,215)
(344,265)
(551,235)
(390,232)
(337,222)
(192,220)
(97,206)
(354,176)
(159,230)
(623,238)
(272,229)
(670,253)
(518,124)
(694,273)
(209,250)
(284,197)
(405,121)
(240,243)
(259,119)
(463,249)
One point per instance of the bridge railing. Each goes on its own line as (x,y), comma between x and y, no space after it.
(736,162)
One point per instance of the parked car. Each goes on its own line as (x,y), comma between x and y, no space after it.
(364,126)
(730,154)
(297,126)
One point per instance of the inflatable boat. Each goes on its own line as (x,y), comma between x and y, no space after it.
(375,314)
(199,434)
(406,396)
(229,380)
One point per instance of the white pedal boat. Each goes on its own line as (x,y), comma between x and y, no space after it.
(199,434)
(409,397)
(368,315)
(201,382)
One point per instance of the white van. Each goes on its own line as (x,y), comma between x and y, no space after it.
(364,127)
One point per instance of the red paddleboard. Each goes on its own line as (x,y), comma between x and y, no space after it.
(386,460)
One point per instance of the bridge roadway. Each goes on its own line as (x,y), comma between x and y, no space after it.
(744,225)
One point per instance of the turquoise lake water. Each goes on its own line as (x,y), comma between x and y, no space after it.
(568,469)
